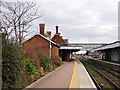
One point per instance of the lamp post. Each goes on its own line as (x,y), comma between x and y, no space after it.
(70,55)
(50,47)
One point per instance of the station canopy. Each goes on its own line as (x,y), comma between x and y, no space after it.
(109,46)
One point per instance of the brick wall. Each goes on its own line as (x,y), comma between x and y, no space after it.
(39,47)
(58,39)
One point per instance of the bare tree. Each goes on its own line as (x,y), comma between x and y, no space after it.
(16,18)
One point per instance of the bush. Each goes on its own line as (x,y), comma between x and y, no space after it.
(60,60)
(57,60)
(30,68)
(41,71)
(11,64)
(46,64)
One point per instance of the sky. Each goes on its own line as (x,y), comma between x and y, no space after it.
(81,21)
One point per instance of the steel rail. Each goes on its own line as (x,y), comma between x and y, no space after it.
(108,71)
(115,64)
(108,67)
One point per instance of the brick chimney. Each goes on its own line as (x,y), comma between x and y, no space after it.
(56,29)
(49,33)
(42,26)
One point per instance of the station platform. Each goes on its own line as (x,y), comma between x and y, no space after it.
(70,75)
(81,78)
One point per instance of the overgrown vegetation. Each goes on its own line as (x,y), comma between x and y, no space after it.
(12,59)
(30,68)
(17,71)
(57,60)
(15,23)
(49,65)
(46,64)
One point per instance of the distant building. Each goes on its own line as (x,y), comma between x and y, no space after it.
(39,46)
(111,52)
(58,39)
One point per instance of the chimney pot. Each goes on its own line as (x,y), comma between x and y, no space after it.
(56,29)
(49,33)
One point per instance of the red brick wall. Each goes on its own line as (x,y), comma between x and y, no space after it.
(57,39)
(38,47)
(55,51)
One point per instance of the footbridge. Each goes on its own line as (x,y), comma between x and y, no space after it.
(86,46)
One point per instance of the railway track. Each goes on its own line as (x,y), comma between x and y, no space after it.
(115,64)
(109,63)
(111,71)
(113,82)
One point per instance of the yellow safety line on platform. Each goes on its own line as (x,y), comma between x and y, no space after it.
(72,75)
(74,80)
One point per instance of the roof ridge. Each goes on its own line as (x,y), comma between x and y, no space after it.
(42,37)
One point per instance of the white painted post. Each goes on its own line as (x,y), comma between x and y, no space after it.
(50,47)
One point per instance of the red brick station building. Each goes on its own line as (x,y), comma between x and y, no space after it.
(39,46)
